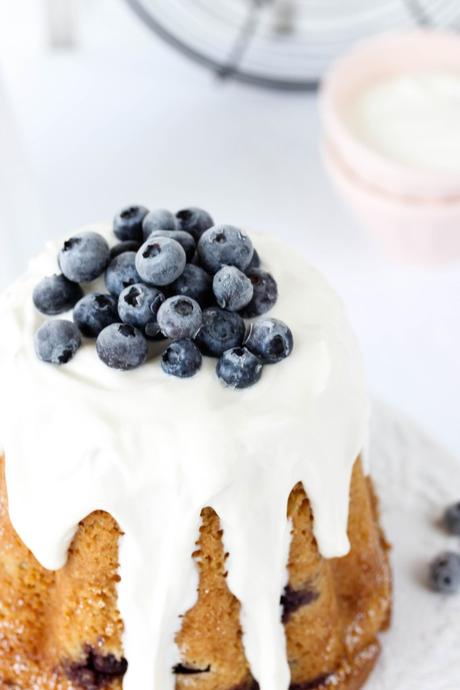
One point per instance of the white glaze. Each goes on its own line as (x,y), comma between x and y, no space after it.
(413,119)
(153,450)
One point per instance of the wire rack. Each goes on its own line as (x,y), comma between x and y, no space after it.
(285,44)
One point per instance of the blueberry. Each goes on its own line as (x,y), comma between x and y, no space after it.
(221,330)
(122,346)
(255,261)
(180,317)
(94,312)
(55,294)
(194,220)
(239,368)
(127,224)
(57,341)
(138,306)
(265,293)
(224,245)
(160,261)
(452,519)
(195,283)
(84,257)
(444,573)
(232,288)
(122,247)
(185,239)
(270,339)
(160,219)
(182,358)
(121,273)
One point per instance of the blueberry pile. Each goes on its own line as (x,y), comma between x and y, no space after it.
(444,571)
(177,278)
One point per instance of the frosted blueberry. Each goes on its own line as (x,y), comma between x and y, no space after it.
(138,305)
(127,224)
(160,261)
(233,290)
(194,220)
(94,312)
(239,368)
(265,293)
(159,219)
(122,346)
(121,273)
(221,330)
(180,317)
(444,573)
(194,282)
(270,339)
(182,358)
(57,341)
(224,245)
(56,294)
(84,257)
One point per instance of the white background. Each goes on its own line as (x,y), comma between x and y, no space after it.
(124,119)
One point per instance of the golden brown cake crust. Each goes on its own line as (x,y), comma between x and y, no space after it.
(62,630)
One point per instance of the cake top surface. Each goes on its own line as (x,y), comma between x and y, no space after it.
(144,446)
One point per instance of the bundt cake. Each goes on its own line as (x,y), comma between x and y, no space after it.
(165,531)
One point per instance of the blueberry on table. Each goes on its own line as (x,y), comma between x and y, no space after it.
(159,219)
(138,306)
(127,224)
(224,245)
(221,330)
(94,312)
(182,358)
(452,519)
(84,257)
(180,317)
(444,573)
(194,220)
(239,368)
(265,293)
(125,246)
(270,339)
(56,294)
(194,282)
(185,239)
(57,341)
(121,273)
(233,290)
(122,346)
(160,261)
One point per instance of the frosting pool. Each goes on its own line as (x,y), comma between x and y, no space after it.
(153,450)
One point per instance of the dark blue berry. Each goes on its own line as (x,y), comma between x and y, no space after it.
(184,238)
(255,261)
(84,257)
(194,220)
(94,312)
(195,283)
(57,341)
(224,245)
(265,293)
(121,273)
(160,261)
(232,288)
(221,330)
(159,219)
(452,519)
(180,317)
(444,573)
(239,368)
(127,224)
(138,305)
(270,339)
(55,295)
(182,358)
(122,346)
(122,247)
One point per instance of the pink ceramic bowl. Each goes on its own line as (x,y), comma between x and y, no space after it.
(416,213)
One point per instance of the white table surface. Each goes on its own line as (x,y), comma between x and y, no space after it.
(125,119)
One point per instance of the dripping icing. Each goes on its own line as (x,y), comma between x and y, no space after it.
(240,452)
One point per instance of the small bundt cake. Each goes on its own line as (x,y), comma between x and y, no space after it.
(161,531)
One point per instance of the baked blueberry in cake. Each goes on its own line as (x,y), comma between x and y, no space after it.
(183,502)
